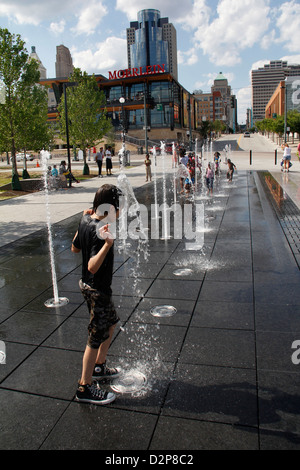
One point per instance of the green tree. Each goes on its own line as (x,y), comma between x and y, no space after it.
(278,126)
(87,121)
(219,126)
(17,74)
(293,121)
(34,132)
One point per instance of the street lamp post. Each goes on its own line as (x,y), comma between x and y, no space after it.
(285,111)
(65,85)
(122,101)
(145,121)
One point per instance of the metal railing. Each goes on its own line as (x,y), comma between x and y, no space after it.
(135,141)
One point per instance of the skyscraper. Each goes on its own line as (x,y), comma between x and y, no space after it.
(42,70)
(265,81)
(64,63)
(152,40)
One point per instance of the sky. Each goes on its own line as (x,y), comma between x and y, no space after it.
(228,36)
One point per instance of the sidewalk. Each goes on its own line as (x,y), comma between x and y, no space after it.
(27,214)
(219,371)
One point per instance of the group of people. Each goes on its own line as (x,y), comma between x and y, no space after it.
(100,155)
(213,168)
(94,240)
(58,178)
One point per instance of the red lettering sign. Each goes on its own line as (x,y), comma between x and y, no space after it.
(136,72)
(112,76)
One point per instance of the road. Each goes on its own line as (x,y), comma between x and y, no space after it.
(240,146)
(239,143)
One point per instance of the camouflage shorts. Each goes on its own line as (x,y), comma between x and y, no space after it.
(102,315)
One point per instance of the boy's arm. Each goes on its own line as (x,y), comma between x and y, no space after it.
(73,247)
(96,261)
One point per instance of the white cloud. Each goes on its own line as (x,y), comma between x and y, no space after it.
(289,25)
(173,9)
(234,27)
(108,55)
(268,39)
(259,64)
(187,58)
(244,99)
(57,28)
(292,59)
(196,17)
(34,11)
(90,17)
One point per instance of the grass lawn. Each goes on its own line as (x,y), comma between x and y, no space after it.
(5,178)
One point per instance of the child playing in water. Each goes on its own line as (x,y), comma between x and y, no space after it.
(209,179)
(95,241)
(148,167)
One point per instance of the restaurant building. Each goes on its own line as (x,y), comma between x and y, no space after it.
(153,102)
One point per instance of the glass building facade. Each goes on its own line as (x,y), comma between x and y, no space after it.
(149,47)
(163,100)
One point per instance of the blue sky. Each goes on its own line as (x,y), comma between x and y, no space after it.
(232,36)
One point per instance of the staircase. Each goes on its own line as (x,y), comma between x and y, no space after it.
(135,141)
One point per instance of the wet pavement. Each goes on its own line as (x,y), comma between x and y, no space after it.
(219,372)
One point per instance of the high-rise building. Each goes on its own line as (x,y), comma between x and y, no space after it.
(265,81)
(152,40)
(224,103)
(42,69)
(64,63)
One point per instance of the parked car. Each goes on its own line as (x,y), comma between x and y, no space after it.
(20,157)
(246,134)
(157,150)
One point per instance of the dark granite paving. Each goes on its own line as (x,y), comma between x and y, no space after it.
(219,371)
(286,210)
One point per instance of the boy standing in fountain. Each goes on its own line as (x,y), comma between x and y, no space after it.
(95,241)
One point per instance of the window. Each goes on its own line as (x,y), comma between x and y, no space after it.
(115,93)
(160,91)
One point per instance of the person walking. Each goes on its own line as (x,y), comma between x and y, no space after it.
(94,239)
(99,160)
(287,156)
(148,167)
(217,161)
(108,157)
(209,176)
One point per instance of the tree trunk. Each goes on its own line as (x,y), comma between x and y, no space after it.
(86,170)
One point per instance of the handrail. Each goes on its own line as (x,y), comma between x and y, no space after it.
(135,140)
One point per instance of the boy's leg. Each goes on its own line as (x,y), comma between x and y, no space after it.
(92,357)
(88,364)
(102,351)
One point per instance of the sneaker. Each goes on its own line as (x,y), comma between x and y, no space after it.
(92,394)
(101,371)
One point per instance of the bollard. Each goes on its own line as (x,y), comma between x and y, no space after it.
(250,157)
(276,157)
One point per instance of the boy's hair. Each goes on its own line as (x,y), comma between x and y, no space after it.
(107,194)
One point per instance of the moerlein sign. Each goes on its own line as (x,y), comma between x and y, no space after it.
(136,71)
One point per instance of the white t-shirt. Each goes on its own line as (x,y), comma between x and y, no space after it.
(108,154)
